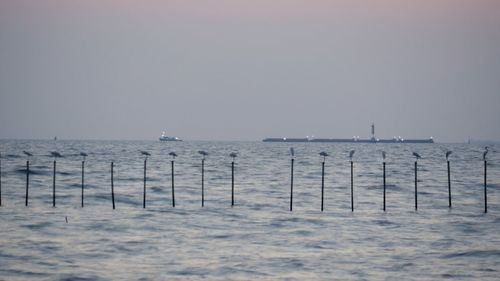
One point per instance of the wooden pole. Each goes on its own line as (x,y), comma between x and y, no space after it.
(449,185)
(291,187)
(232,183)
(352,188)
(416,199)
(173,193)
(322,183)
(144,195)
(54,186)
(27,182)
(202,182)
(485,187)
(112,187)
(384,186)
(0,179)
(83,179)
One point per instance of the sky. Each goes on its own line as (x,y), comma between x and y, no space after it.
(249,69)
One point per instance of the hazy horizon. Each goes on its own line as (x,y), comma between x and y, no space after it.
(156,138)
(246,70)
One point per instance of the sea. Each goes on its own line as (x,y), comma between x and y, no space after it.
(258,238)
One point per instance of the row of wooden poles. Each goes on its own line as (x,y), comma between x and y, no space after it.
(57,155)
(233,156)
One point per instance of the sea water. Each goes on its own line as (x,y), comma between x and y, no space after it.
(258,238)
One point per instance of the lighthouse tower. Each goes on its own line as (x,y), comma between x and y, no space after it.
(373,133)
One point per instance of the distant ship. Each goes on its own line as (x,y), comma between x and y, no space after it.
(164,137)
(355,139)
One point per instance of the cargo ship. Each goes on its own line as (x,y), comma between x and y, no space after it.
(355,139)
(164,137)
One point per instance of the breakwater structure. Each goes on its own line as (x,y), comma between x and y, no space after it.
(355,139)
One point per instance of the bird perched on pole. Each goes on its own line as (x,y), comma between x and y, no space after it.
(55,154)
(417,156)
(84,155)
(448,153)
(324,154)
(203,153)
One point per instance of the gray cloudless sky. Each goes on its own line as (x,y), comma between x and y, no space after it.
(245,70)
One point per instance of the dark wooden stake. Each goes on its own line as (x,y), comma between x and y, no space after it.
(83,179)
(485,187)
(112,187)
(384,186)
(232,183)
(352,188)
(291,187)
(27,182)
(144,195)
(322,183)
(202,182)
(173,193)
(416,199)
(449,185)
(0,179)
(54,186)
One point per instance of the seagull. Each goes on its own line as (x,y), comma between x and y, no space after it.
(448,153)
(233,155)
(83,154)
(485,153)
(324,154)
(204,153)
(145,153)
(383,155)
(173,154)
(27,153)
(292,151)
(351,153)
(417,155)
(55,154)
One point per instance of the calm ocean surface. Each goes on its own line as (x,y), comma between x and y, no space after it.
(259,238)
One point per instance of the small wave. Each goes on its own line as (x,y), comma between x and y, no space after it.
(78,185)
(287,262)
(222,236)
(33,172)
(72,155)
(72,277)
(154,179)
(66,173)
(402,267)
(195,271)
(37,226)
(99,196)
(385,223)
(302,233)
(131,179)
(472,254)
(26,273)
(156,189)
(12,156)
(392,187)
